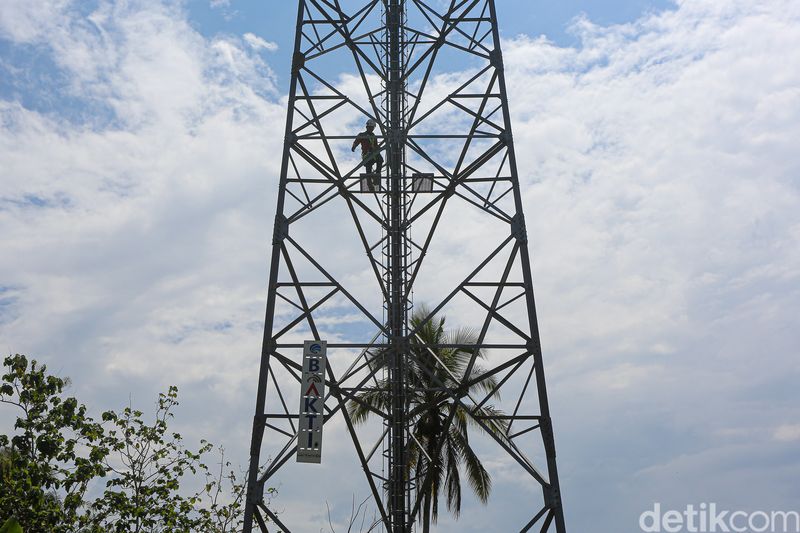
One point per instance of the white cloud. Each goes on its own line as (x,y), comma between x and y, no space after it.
(134,211)
(661,186)
(260,44)
(648,149)
(25,22)
(787,433)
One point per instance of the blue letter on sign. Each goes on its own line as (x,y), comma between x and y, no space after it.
(310,407)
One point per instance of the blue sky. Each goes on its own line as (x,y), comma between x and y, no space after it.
(33,79)
(276,19)
(661,180)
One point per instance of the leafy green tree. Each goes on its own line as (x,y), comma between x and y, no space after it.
(56,452)
(437,453)
(223,498)
(147,466)
(147,463)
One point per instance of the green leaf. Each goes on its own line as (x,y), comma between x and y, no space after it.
(11,526)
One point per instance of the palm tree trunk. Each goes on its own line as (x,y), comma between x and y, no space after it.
(426,515)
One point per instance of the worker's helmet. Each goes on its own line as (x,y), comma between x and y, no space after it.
(371,123)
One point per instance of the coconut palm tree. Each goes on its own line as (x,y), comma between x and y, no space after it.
(438,452)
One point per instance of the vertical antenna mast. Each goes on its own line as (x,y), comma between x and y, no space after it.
(397,297)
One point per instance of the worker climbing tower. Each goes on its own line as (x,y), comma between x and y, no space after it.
(400,305)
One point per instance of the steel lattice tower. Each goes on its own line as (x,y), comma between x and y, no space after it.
(433,79)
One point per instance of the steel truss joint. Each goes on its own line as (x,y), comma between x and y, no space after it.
(280,233)
(298,62)
(518,230)
(255,495)
(552,497)
(270,345)
(496,59)
(546,426)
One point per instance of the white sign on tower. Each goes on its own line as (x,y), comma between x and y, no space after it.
(312,399)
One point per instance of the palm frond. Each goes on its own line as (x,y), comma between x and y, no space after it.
(453,481)
(485,385)
(378,398)
(477,476)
